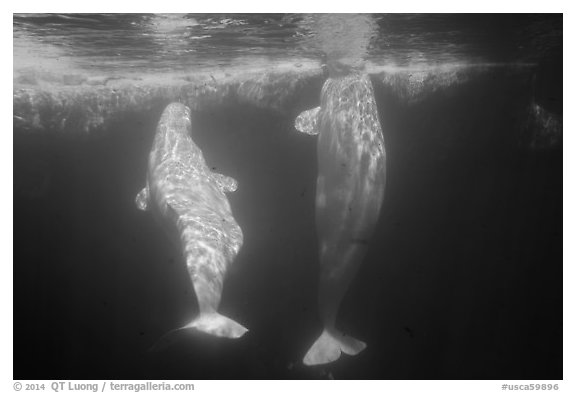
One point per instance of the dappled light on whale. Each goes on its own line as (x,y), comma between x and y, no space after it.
(349,195)
(188,200)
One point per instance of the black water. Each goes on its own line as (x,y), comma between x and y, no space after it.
(463,279)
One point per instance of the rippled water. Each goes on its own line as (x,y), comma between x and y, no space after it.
(147,43)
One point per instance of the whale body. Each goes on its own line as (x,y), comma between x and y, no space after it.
(349,195)
(188,199)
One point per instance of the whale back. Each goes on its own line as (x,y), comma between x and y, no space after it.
(173,139)
(351,153)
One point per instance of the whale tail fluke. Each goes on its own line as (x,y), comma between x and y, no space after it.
(330,345)
(213,324)
(166,341)
(217,325)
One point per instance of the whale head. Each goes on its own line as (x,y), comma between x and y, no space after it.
(176,116)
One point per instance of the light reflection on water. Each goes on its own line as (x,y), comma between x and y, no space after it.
(159,43)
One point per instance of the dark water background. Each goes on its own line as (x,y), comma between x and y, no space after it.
(463,279)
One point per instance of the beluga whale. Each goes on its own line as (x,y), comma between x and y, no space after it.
(349,194)
(189,202)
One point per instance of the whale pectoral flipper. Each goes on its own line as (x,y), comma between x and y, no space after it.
(307,121)
(142,199)
(329,346)
(217,325)
(225,183)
